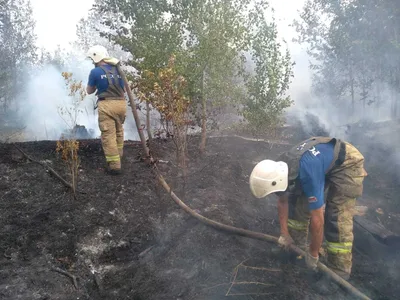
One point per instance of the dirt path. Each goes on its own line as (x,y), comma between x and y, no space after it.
(125,239)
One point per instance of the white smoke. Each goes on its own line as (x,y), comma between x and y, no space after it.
(46,93)
(334,118)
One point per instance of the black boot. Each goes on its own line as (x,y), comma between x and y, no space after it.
(110,171)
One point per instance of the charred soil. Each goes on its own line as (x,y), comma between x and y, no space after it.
(124,238)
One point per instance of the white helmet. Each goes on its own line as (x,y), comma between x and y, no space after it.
(97,53)
(268,177)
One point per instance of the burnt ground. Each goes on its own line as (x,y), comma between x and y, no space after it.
(124,238)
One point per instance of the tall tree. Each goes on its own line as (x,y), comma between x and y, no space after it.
(17,48)
(267,88)
(216,41)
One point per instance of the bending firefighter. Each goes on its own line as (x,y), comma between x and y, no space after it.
(111,106)
(317,183)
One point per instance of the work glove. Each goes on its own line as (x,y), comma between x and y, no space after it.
(285,241)
(311,261)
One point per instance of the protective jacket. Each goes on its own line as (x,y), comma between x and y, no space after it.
(114,90)
(293,156)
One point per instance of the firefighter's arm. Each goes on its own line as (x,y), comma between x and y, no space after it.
(312,179)
(283,212)
(90,89)
(91,85)
(317,230)
(285,240)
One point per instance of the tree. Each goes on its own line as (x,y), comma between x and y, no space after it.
(17,48)
(206,37)
(217,37)
(266,89)
(209,40)
(167,95)
(357,41)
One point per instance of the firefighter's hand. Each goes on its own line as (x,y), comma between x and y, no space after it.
(285,241)
(311,261)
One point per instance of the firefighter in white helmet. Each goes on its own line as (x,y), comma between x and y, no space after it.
(315,169)
(111,106)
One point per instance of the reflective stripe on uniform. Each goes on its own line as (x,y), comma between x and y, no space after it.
(339,247)
(298,225)
(112,158)
(120,146)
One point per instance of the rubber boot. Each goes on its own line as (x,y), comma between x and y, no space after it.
(112,170)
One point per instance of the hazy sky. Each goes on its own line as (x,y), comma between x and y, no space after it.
(56,19)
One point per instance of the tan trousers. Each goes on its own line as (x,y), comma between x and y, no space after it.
(112,114)
(343,185)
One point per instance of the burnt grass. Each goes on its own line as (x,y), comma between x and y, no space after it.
(124,238)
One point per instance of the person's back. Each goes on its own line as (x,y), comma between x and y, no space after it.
(101,76)
(313,167)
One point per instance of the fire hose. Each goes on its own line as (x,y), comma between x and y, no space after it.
(217,225)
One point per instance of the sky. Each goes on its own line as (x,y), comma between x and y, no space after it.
(56,21)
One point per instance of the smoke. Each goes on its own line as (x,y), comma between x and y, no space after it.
(370,129)
(331,115)
(46,93)
(315,116)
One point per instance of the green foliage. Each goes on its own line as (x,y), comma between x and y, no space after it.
(267,87)
(217,36)
(209,40)
(143,29)
(168,97)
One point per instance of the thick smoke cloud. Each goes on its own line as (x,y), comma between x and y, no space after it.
(45,93)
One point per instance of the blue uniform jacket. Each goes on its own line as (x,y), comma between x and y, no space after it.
(97,78)
(313,165)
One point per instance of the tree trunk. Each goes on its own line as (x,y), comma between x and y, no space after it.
(203,126)
(203,118)
(180,139)
(148,126)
